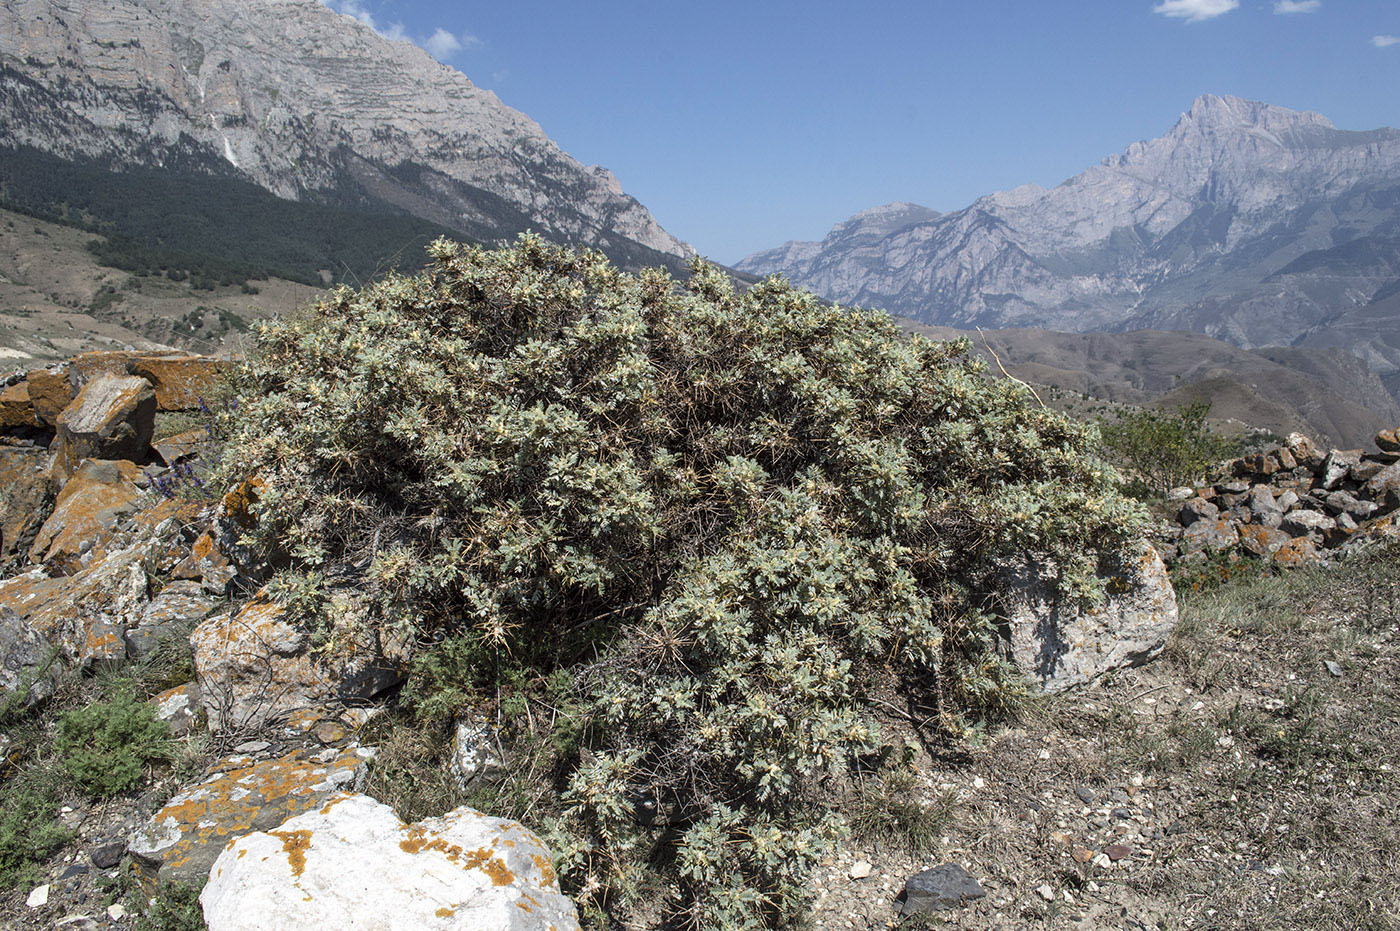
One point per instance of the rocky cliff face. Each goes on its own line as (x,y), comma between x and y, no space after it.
(306,103)
(1216,226)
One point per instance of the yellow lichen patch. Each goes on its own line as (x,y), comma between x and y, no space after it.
(547,874)
(496,869)
(294,845)
(445,912)
(417,841)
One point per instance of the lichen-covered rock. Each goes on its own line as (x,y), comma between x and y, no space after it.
(1195,509)
(1384,487)
(1209,536)
(181,379)
(25,496)
(255,666)
(179,708)
(1057,645)
(1301,523)
(113,417)
(1261,540)
(80,612)
(1388,439)
(50,392)
(171,614)
(353,863)
(99,494)
(1297,553)
(28,662)
(16,410)
(1338,466)
(182,840)
(1344,502)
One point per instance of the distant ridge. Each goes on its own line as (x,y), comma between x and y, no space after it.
(1248,222)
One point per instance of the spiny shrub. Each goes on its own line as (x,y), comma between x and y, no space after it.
(105,746)
(737,518)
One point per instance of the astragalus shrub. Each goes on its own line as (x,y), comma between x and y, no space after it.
(744,521)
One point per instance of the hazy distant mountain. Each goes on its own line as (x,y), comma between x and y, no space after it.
(1245,221)
(304,102)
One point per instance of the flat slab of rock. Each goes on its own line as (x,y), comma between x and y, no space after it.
(352,863)
(95,499)
(1058,646)
(941,888)
(183,839)
(84,613)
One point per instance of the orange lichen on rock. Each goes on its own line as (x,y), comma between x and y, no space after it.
(238,504)
(294,845)
(16,410)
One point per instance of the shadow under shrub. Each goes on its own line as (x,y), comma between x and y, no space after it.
(732,518)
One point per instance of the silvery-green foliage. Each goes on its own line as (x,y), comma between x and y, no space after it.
(737,516)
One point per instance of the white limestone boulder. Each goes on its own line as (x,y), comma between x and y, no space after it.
(352,864)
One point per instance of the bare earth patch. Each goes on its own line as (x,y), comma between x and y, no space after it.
(1245,779)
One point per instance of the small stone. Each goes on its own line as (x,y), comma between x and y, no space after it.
(330,732)
(860,869)
(945,886)
(1116,852)
(1046,892)
(108,853)
(1082,854)
(252,746)
(38,897)
(1086,795)
(1062,837)
(116,912)
(1333,667)
(1102,861)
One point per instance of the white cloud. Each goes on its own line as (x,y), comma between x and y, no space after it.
(442,44)
(1385,41)
(1195,11)
(1284,7)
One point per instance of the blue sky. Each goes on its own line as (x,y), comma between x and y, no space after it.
(741,125)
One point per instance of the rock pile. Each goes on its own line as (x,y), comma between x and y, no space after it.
(1290,505)
(112,550)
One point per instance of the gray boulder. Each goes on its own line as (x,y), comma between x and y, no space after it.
(1057,645)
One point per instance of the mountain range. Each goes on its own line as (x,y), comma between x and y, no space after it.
(221,161)
(307,104)
(1251,223)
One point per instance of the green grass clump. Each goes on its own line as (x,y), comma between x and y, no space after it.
(106,746)
(28,832)
(732,520)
